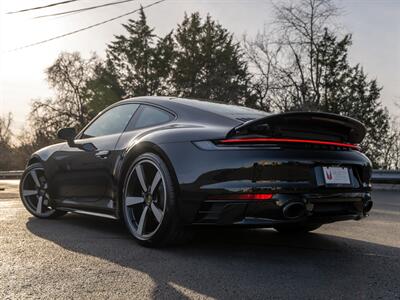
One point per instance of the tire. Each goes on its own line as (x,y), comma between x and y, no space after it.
(296,228)
(149,203)
(33,193)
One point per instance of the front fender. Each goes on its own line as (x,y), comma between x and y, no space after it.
(43,154)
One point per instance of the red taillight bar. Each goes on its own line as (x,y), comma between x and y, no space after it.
(241,197)
(284,140)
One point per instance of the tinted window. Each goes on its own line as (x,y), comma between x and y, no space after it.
(112,121)
(151,116)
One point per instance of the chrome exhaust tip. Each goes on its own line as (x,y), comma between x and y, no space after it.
(294,210)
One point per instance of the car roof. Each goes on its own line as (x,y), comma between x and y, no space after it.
(237,112)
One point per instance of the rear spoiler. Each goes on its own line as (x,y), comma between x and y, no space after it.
(305,125)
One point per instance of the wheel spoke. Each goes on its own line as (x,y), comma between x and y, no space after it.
(29,192)
(35,178)
(156,212)
(156,181)
(144,200)
(133,200)
(142,220)
(39,205)
(140,175)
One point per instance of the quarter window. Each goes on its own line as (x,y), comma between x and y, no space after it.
(151,116)
(112,121)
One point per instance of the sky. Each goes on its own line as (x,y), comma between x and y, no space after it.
(375,25)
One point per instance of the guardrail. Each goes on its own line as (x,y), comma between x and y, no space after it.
(378,176)
(11,174)
(384,176)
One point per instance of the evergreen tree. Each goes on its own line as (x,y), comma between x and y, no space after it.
(139,61)
(346,90)
(104,88)
(200,60)
(209,64)
(130,57)
(162,66)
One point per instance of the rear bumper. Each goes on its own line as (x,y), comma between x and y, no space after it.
(317,208)
(291,175)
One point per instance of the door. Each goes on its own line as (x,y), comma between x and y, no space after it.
(81,176)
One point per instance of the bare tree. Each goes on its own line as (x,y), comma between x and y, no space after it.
(391,157)
(5,130)
(68,77)
(301,63)
(6,162)
(289,53)
(263,62)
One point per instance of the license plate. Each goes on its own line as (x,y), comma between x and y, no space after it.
(336,175)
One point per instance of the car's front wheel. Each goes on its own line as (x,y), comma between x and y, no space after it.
(33,189)
(149,203)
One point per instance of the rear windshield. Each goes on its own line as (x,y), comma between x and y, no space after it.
(234,111)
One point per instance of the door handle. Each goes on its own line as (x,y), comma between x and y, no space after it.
(103,154)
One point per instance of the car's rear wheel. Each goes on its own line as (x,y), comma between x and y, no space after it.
(33,189)
(149,203)
(296,228)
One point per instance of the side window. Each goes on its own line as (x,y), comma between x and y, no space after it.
(151,116)
(112,121)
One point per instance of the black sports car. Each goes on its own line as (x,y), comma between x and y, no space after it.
(165,164)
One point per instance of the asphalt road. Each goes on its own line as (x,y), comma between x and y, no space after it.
(83,257)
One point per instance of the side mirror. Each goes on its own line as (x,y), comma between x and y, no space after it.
(67,134)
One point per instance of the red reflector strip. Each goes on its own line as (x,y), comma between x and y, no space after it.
(283,140)
(242,197)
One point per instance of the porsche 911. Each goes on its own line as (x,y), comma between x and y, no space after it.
(165,165)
